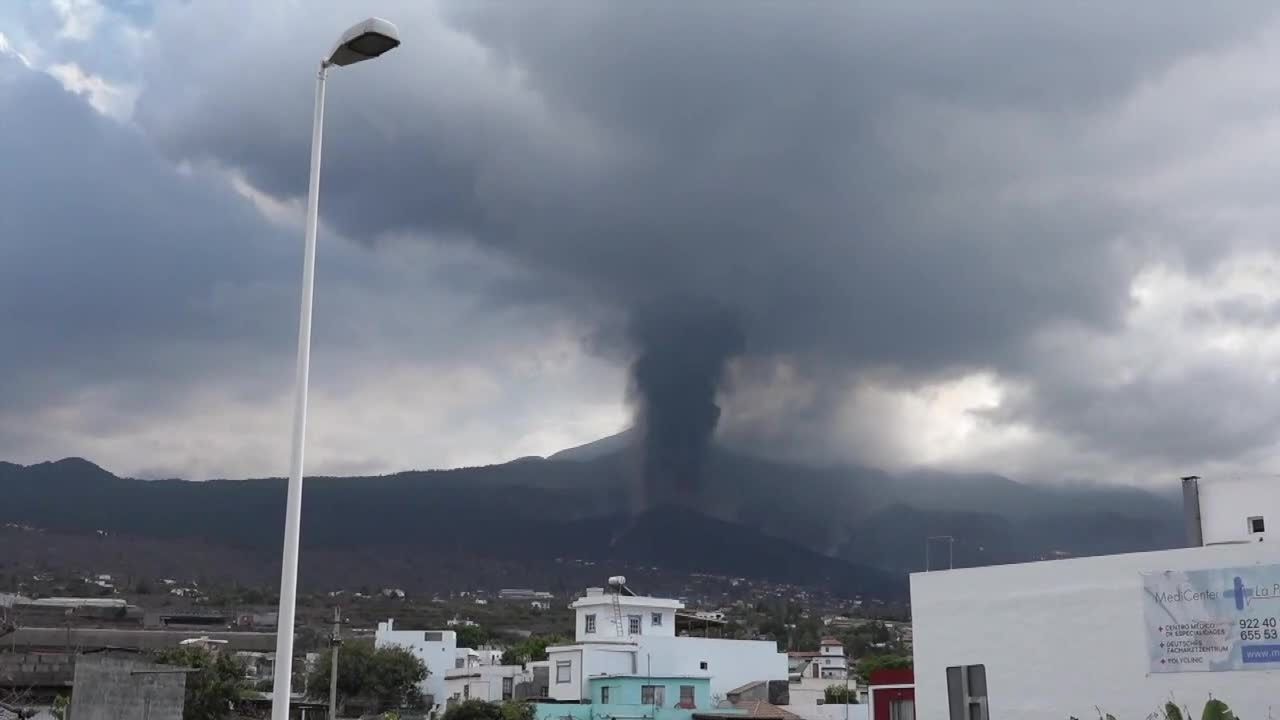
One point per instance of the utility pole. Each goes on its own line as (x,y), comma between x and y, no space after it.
(335,641)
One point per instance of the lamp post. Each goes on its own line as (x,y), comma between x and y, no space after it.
(362,41)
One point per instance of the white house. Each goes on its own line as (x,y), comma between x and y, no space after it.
(437,649)
(1123,633)
(493,683)
(831,660)
(620,633)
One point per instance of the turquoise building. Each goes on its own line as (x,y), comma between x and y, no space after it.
(639,697)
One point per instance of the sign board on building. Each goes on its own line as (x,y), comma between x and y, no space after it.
(1213,620)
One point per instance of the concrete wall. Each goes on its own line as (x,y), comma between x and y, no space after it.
(730,663)
(601,606)
(484,682)
(831,712)
(110,688)
(596,659)
(1061,637)
(1226,506)
(627,690)
(24,670)
(624,701)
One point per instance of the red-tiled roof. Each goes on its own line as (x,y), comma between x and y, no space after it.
(831,641)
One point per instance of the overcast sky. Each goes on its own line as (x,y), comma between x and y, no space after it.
(1040,239)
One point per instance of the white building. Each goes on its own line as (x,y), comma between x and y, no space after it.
(437,649)
(493,683)
(1123,633)
(619,633)
(831,660)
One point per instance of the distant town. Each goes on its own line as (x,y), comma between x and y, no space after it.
(720,647)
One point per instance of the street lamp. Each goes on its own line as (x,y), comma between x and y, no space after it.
(362,41)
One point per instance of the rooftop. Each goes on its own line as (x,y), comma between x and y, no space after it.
(750,709)
(646,676)
(631,600)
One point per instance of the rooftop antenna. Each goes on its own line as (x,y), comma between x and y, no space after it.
(951,550)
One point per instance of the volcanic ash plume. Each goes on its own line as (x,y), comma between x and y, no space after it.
(683,350)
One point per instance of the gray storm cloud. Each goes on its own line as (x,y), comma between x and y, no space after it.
(846,186)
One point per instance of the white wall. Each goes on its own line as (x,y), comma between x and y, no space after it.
(1226,506)
(829,712)
(482,683)
(596,658)
(602,607)
(438,655)
(1061,637)
(730,663)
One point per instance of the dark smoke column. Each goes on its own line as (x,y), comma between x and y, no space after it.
(683,349)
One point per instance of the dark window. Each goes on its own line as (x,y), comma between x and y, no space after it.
(655,695)
(433,636)
(686,696)
(656,619)
(590,623)
(466,691)
(458,662)
(967,692)
(633,624)
(1257,525)
(604,696)
(702,665)
(507,685)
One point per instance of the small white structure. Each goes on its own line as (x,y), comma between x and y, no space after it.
(1123,633)
(620,633)
(617,616)
(1229,511)
(493,683)
(437,649)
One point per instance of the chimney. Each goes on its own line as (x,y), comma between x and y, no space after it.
(1191,510)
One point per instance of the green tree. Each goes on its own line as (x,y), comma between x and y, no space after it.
(217,686)
(872,663)
(533,649)
(481,710)
(840,695)
(1217,710)
(387,677)
(472,636)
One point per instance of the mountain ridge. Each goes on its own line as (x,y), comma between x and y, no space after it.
(856,528)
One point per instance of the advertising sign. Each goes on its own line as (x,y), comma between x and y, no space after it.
(1213,620)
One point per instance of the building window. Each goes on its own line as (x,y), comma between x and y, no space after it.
(655,695)
(563,671)
(590,623)
(656,619)
(508,685)
(967,692)
(457,662)
(1257,525)
(633,624)
(686,696)
(702,665)
(466,691)
(604,696)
